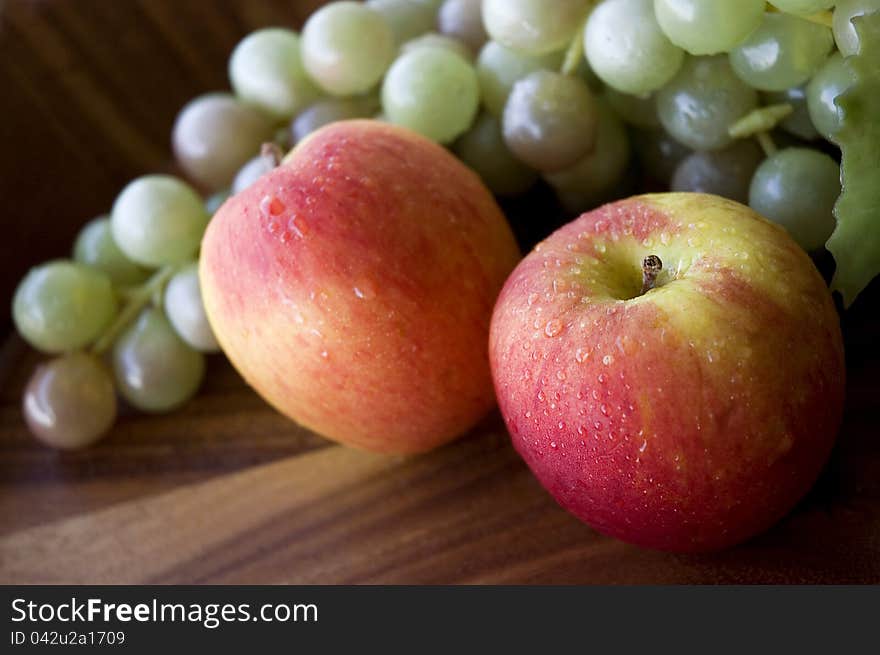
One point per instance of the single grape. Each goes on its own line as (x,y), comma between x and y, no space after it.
(627,49)
(158,220)
(726,172)
(62,305)
(434,40)
(433,92)
(483,149)
(640,111)
(156,371)
(658,153)
(797,188)
(529,26)
(707,27)
(827,84)
(550,120)
(332,110)
(803,7)
(463,20)
(186,312)
(95,247)
(216,200)
(499,68)
(783,52)
(347,47)
(215,134)
(406,18)
(844,33)
(70,402)
(588,182)
(702,101)
(798,121)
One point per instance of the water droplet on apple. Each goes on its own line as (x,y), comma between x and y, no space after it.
(527,414)
(271,206)
(643,446)
(604,409)
(561,425)
(601,380)
(532,298)
(553,445)
(607,360)
(553,327)
(581,355)
(541,396)
(560,374)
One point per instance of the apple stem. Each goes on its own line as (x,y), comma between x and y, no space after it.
(272,152)
(651,267)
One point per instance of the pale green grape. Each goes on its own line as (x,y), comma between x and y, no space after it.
(531,26)
(627,49)
(797,188)
(783,52)
(158,220)
(95,247)
(658,153)
(707,27)
(434,40)
(346,47)
(215,134)
(155,370)
(186,311)
(589,181)
(406,18)
(702,101)
(70,402)
(726,172)
(499,68)
(640,111)
(798,121)
(251,172)
(550,120)
(216,200)
(332,110)
(483,149)
(433,92)
(463,20)
(844,33)
(803,7)
(62,305)
(827,84)
(266,70)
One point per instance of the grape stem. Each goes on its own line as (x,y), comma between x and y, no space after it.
(575,53)
(766,143)
(135,300)
(820,18)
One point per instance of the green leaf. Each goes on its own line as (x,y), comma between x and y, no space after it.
(855,242)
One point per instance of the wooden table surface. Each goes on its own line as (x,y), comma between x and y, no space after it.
(226,490)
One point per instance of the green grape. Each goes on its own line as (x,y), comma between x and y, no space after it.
(588,182)
(62,305)
(434,40)
(266,70)
(726,172)
(798,121)
(707,27)
(797,188)
(95,247)
(550,120)
(640,111)
(844,33)
(702,101)
(529,27)
(158,220)
(156,371)
(658,153)
(332,110)
(433,92)
(70,402)
(406,18)
(803,7)
(216,200)
(499,68)
(186,312)
(783,52)
(627,49)
(483,149)
(463,20)
(251,172)
(215,134)
(827,84)
(346,47)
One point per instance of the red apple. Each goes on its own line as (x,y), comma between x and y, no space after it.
(685,417)
(353,287)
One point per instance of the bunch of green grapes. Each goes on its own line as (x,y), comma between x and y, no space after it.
(733,97)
